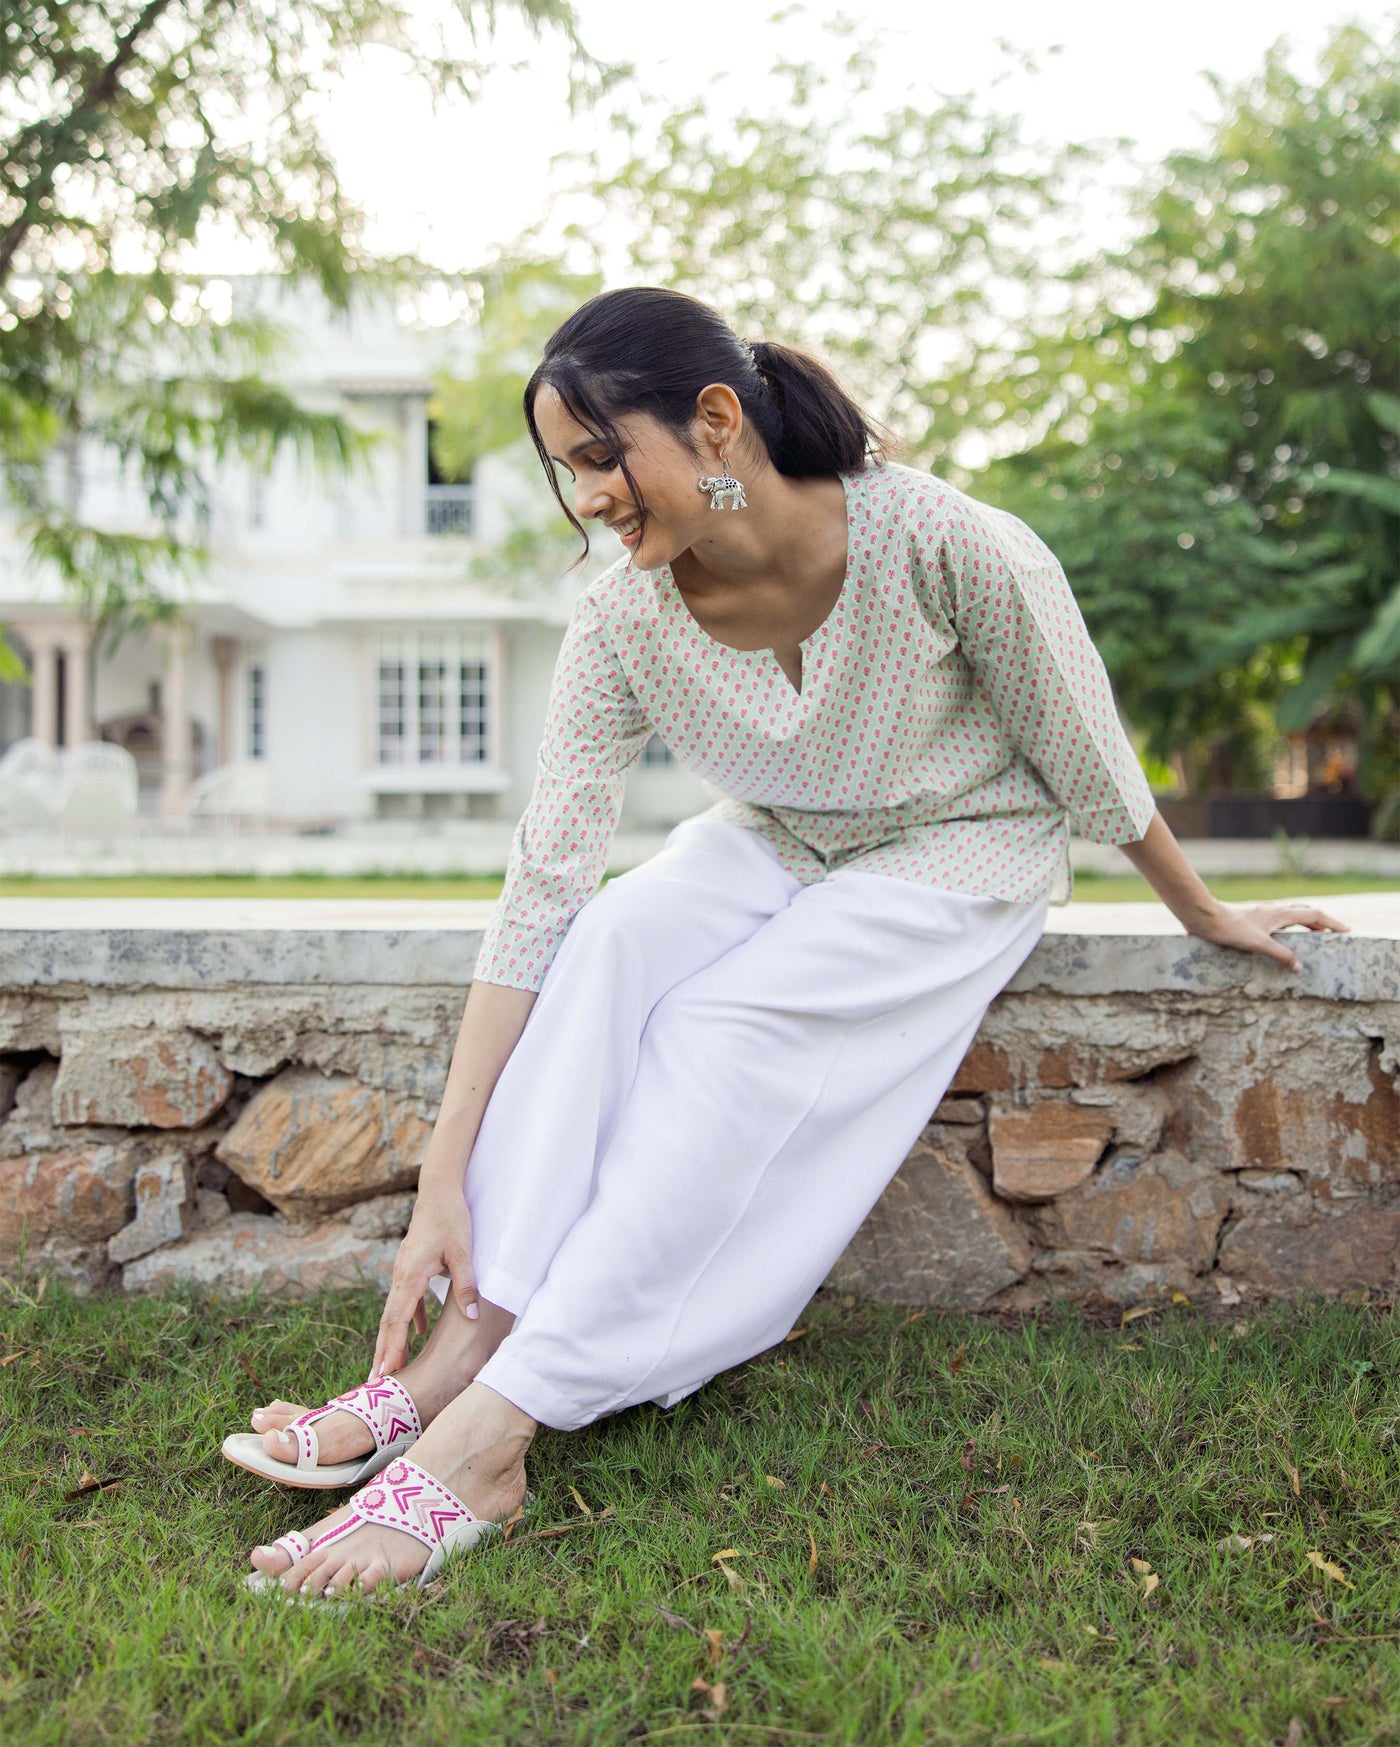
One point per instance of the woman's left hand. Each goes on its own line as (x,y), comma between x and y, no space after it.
(1252,926)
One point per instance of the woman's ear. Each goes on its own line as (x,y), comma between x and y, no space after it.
(719,419)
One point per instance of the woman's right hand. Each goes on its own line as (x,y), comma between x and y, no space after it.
(438,1241)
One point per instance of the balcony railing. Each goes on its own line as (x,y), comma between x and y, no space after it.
(449,509)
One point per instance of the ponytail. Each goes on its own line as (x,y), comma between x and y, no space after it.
(644,349)
(820,430)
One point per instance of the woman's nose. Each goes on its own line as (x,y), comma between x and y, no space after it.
(590,504)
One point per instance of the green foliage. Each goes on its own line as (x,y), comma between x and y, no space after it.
(1268,264)
(885,239)
(127,134)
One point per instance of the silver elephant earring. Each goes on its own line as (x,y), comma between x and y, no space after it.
(724,486)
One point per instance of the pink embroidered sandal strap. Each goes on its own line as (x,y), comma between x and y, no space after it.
(406,1498)
(386,1408)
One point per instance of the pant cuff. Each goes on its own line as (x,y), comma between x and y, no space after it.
(531,1393)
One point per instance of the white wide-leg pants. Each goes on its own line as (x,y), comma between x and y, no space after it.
(722,1071)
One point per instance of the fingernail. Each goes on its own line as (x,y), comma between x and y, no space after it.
(473,1311)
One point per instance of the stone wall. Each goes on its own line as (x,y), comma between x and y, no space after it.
(1140,1115)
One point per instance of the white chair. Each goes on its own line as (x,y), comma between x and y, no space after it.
(29,785)
(98,785)
(237,790)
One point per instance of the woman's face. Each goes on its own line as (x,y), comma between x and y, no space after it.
(664,469)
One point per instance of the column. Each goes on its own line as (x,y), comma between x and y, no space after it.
(175,723)
(43,681)
(225,653)
(77,713)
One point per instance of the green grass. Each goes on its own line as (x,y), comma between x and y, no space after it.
(1096,888)
(947,1560)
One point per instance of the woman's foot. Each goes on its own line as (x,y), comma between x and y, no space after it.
(455,1351)
(476,1447)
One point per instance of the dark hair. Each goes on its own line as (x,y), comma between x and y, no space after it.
(644,349)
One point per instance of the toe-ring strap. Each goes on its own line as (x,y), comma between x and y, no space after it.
(404,1497)
(295,1543)
(386,1408)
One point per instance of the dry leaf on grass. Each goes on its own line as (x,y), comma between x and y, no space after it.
(1137,1313)
(715,1694)
(1242,1543)
(1329,1568)
(955,1364)
(812,1562)
(913,1318)
(1149,1583)
(715,1637)
(578,1500)
(90,1483)
(773,1480)
(795,1334)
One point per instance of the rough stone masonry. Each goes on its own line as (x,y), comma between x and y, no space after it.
(229,1097)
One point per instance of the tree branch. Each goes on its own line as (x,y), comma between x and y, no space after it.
(71,137)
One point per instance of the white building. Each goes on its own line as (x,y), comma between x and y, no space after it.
(339,636)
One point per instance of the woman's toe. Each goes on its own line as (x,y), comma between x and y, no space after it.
(275,1415)
(280,1445)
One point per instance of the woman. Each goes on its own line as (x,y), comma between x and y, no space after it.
(731,1048)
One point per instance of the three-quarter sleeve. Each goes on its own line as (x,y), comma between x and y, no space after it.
(1024,636)
(594,732)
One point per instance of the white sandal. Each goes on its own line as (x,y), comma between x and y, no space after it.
(407,1498)
(386,1408)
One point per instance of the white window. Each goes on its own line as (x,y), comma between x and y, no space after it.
(257,711)
(433,698)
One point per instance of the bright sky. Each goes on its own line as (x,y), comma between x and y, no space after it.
(451,186)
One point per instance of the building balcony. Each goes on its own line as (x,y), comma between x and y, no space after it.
(449,510)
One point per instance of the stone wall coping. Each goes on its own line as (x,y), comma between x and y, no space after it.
(197,943)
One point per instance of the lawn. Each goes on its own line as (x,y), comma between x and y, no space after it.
(941,1529)
(1090,887)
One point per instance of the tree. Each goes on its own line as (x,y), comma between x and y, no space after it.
(910,245)
(128,133)
(1261,310)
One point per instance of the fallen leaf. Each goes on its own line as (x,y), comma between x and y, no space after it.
(796,1334)
(812,1562)
(955,1364)
(1135,1314)
(1329,1568)
(727,1553)
(870,1450)
(1049,1662)
(1130,1346)
(1294,1737)
(773,1480)
(913,1317)
(677,1620)
(969,1456)
(1332,1703)
(1149,1583)
(715,1635)
(1141,1565)
(823,1487)
(90,1483)
(1179,1297)
(80,1432)
(1293,1480)
(552,1676)
(14,1358)
(578,1500)
(715,1693)
(1242,1543)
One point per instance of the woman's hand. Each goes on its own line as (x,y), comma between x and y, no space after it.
(438,1241)
(1252,927)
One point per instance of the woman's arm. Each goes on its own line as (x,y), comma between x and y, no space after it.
(439,1237)
(1159,860)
